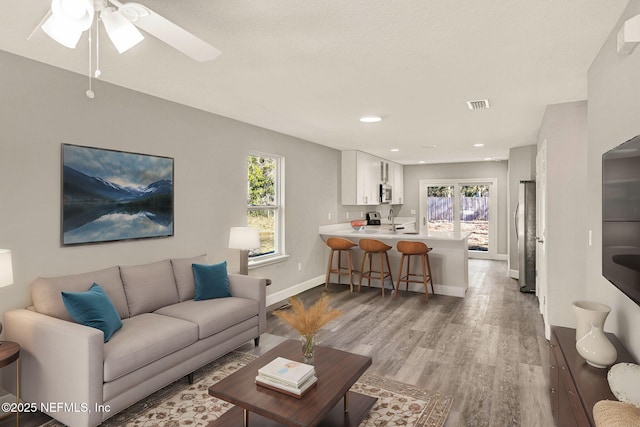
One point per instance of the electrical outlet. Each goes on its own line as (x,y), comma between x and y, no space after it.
(361,214)
(329,216)
(347,215)
(590,237)
(413,211)
(299,266)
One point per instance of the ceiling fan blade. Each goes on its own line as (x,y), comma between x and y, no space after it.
(167,31)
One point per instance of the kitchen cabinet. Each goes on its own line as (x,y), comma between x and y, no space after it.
(396,180)
(360,178)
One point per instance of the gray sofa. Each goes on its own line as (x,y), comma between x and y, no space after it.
(166,335)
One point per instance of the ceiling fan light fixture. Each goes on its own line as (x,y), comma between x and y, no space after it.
(68,20)
(58,29)
(123,34)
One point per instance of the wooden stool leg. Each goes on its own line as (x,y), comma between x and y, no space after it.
(408,273)
(364,259)
(386,256)
(430,275)
(339,266)
(370,267)
(424,276)
(382,273)
(349,265)
(326,280)
(399,276)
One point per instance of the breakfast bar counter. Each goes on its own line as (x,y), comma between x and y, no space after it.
(449,258)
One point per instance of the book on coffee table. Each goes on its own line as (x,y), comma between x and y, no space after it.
(287,389)
(287,372)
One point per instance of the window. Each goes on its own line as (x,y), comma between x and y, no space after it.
(463,205)
(265,206)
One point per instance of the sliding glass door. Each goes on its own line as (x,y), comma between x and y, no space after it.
(461,206)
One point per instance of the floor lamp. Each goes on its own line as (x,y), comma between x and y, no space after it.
(245,239)
(6,271)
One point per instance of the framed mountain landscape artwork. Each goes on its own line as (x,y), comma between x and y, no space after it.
(110,195)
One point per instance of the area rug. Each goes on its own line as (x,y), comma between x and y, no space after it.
(180,404)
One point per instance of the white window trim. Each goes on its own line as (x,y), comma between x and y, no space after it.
(279,237)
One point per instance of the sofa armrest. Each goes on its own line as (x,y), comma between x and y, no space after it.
(253,288)
(61,366)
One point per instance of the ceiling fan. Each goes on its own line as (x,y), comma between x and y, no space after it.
(68,19)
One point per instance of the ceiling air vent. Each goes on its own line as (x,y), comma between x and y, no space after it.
(478,104)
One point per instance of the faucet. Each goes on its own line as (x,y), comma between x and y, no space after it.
(392,218)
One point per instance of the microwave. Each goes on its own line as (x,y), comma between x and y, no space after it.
(385,193)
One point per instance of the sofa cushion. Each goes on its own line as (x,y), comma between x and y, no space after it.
(211,281)
(183,274)
(94,309)
(149,286)
(144,339)
(213,315)
(47,297)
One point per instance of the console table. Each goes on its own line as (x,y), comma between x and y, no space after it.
(575,385)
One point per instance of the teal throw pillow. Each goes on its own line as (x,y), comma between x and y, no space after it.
(93,308)
(211,281)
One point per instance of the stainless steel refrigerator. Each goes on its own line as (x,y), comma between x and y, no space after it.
(525,221)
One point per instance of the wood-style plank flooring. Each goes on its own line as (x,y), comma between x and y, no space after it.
(487,350)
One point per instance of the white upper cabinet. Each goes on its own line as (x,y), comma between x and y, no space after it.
(360,178)
(362,175)
(396,180)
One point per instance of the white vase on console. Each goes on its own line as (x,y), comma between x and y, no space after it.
(596,349)
(589,313)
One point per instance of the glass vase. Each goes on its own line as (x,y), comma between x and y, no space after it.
(308,346)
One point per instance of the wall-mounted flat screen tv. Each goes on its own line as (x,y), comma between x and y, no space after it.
(621,217)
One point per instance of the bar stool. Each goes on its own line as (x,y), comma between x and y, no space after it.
(409,249)
(370,247)
(340,244)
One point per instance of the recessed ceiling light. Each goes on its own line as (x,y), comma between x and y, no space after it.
(478,145)
(395,150)
(422,162)
(429,146)
(370,119)
(488,158)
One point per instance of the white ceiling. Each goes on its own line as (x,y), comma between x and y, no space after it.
(311,68)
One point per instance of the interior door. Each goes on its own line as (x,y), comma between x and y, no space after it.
(541,233)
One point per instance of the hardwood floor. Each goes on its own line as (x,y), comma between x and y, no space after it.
(487,350)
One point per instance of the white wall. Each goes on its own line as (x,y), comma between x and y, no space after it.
(414,173)
(564,127)
(43,106)
(614,117)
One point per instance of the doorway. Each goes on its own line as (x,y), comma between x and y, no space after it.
(461,205)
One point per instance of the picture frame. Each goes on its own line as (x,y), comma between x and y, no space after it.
(110,195)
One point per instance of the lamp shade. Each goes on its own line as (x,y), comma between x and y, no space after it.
(123,34)
(244,238)
(6,269)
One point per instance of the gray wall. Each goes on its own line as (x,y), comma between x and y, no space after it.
(614,117)
(522,167)
(414,173)
(43,106)
(564,127)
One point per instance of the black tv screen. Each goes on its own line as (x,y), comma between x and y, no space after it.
(621,217)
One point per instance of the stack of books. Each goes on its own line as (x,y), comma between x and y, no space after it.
(287,376)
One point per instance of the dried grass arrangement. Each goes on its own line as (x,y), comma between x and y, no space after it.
(308,321)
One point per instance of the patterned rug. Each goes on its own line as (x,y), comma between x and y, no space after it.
(180,404)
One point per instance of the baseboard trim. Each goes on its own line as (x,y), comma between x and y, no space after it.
(501,257)
(279,297)
(514,274)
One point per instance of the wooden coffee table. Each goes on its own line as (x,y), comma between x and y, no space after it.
(336,370)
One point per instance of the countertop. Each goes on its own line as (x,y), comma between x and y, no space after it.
(384,232)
